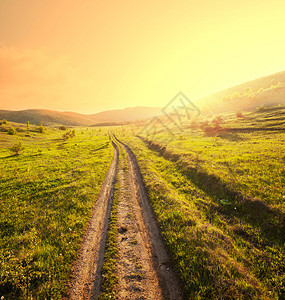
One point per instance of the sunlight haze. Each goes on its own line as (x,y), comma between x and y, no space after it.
(91,56)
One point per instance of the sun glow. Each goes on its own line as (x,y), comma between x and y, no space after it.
(93,55)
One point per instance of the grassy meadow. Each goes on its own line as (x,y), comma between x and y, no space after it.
(47,194)
(219,199)
(217,190)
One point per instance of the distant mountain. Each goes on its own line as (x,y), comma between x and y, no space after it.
(127,114)
(266,91)
(49,117)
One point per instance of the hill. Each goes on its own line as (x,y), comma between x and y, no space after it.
(127,114)
(49,117)
(264,91)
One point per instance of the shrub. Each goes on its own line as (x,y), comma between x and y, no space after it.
(66,135)
(17,148)
(69,134)
(4,121)
(261,108)
(217,121)
(210,131)
(41,129)
(12,131)
(204,124)
(193,125)
(247,92)
(62,127)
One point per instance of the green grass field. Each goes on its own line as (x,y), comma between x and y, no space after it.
(218,194)
(47,195)
(220,201)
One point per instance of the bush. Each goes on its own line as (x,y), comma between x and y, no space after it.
(193,125)
(261,108)
(12,131)
(62,127)
(204,124)
(214,128)
(217,121)
(17,148)
(4,121)
(41,129)
(69,134)
(209,131)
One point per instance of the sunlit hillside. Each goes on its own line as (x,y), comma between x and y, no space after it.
(267,91)
(49,117)
(264,91)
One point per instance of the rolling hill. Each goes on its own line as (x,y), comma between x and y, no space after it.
(264,91)
(127,114)
(49,117)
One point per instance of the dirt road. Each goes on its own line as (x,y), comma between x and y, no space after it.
(86,278)
(143,265)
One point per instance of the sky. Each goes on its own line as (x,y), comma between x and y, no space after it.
(88,56)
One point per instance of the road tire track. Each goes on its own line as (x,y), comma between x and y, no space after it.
(86,279)
(170,284)
(143,265)
(137,277)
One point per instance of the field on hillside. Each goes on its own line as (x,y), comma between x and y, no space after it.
(218,192)
(47,195)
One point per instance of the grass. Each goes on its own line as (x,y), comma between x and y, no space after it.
(47,195)
(219,202)
(109,276)
(109,283)
(218,198)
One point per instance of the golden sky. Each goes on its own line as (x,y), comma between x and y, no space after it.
(88,56)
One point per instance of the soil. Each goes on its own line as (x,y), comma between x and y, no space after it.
(137,277)
(86,278)
(144,268)
(169,282)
